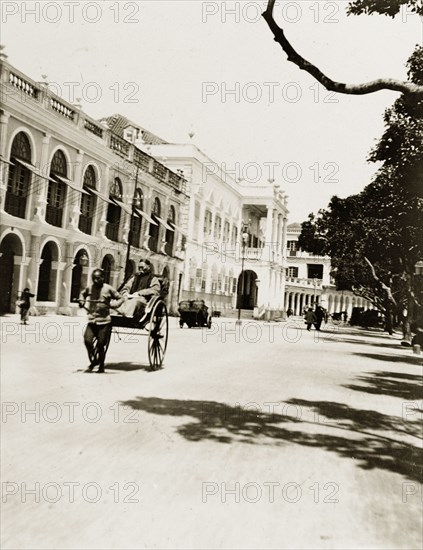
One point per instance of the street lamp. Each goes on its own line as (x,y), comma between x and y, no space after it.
(244,237)
(315,286)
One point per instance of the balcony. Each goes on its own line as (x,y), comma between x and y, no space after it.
(303,281)
(119,145)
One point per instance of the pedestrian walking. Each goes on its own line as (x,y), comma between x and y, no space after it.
(100,297)
(24,305)
(310,318)
(320,315)
(289,312)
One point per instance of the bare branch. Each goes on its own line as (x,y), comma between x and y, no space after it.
(385,287)
(331,85)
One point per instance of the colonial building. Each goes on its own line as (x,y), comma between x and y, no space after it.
(74,195)
(308,280)
(77,193)
(234,248)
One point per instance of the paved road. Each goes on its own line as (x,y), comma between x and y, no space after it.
(269,437)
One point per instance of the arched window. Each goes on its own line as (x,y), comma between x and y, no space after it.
(113,211)
(47,274)
(56,190)
(136,220)
(154,229)
(170,235)
(107,266)
(19,179)
(88,201)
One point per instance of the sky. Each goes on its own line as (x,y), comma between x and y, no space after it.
(212,69)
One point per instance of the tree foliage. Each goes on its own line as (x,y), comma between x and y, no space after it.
(383,7)
(375,238)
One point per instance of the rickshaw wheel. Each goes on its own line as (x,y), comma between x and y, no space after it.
(209,321)
(158,334)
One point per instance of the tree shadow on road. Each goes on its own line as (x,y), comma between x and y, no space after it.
(411,360)
(217,422)
(395,384)
(396,344)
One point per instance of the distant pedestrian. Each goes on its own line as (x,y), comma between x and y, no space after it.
(289,312)
(24,305)
(345,316)
(320,315)
(310,318)
(99,297)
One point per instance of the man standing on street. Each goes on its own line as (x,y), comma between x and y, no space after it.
(100,297)
(320,315)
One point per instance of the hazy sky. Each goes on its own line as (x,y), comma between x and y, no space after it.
(172,65)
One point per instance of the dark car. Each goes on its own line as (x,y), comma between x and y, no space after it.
(194,313)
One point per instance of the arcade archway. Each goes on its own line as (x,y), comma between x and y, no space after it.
(247,290)
(10,249)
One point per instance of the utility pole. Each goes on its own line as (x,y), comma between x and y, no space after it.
(128,249)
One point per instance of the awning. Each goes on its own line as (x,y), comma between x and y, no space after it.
(165,224)
(5,161)
(145,216)
(98,194)
(32,168)
(122,205)
(176,227)
(70,184)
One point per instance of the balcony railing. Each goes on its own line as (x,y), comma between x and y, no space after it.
(303,281)
(142,160)
(119,145)
(94,128)
(62,109)
(159,171)
(23,85)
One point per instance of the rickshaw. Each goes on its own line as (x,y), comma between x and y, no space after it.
(155,321)
(194,313)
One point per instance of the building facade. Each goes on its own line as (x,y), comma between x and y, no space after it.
(74,196)
(235,235)
(308,280)
(77,193)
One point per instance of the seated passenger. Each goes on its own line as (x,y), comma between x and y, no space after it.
(138,290)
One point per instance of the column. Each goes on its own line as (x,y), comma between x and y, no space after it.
(200,233)
(74,205)
(41,199)
(4,168)
(269,231)
(33,259)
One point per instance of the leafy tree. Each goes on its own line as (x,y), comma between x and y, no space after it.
(375,238)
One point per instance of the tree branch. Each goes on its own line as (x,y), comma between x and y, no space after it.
(384,286)
(331,85)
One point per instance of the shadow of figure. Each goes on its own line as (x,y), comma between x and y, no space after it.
(210,420)
(127,366)
(394,384)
